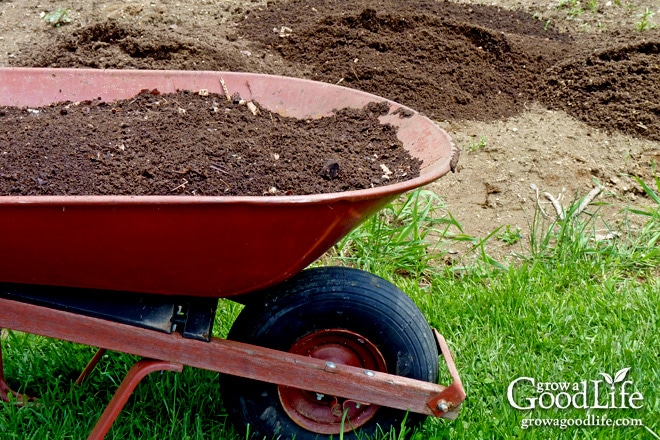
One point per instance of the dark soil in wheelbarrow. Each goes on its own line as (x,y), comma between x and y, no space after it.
(195,143)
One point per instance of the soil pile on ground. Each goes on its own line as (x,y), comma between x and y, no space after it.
(448,60)
(185,143)
(615,89)
(109,45)
(444,59)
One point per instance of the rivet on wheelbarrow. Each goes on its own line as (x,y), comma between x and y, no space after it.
(369,373)
(442,406)
(331,367)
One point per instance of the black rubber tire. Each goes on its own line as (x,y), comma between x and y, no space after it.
(325,298)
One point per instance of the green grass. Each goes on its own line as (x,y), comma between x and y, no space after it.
(570,308)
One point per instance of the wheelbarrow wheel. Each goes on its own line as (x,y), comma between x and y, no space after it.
(342,315)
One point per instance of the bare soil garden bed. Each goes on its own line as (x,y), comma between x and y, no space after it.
(194,143)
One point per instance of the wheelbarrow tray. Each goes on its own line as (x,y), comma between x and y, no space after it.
(191,245)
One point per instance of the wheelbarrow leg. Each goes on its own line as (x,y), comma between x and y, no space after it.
(90,366)
(5,391)
(138,372)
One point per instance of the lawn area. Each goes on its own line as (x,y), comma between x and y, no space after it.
(568,309)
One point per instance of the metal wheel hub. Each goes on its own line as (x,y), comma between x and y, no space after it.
(320,413)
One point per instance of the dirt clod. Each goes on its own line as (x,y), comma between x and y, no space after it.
(330,170)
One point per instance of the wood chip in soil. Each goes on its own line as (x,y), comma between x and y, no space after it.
(185,143)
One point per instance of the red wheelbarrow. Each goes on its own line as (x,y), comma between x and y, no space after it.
(310,349)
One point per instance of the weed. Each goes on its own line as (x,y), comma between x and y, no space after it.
(57,17)
(592,5)
(510,236)
(477,145)
(573,7)
(645,23)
